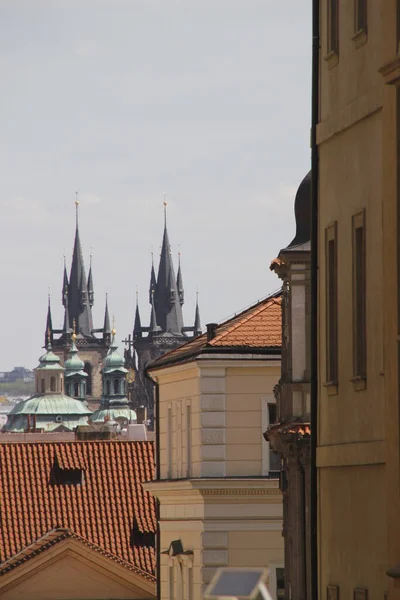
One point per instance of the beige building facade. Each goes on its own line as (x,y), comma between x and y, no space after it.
(220,503)
(358,396)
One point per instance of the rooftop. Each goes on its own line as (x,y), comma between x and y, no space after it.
(108,510)
(258,328)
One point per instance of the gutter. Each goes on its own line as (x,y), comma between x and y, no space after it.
(157,447)
(314,298)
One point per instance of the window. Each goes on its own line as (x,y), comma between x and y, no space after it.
(277,581)
(108,387)
(88,370)
(331,305)
(188,441)
(274,457)
(333,26)
(116,386)
(169,442)
(76,390)
(42,386)
(171,581)
(52,384)
(359,297)
(360,19)
(68,476)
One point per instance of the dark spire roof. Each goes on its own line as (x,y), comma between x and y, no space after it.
(166,298)
(78,301)
(153,280)
(49,325)
(65,284)
(153,318)
(90,284)
(197,323)
(66,326)
(179,283)
(106,326)
(302,208)
(137,328)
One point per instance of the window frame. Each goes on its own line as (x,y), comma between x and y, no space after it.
(333,28)
(331,306)
(359,300)
(360,27)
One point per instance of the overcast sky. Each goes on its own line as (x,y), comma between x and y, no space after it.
(207,101)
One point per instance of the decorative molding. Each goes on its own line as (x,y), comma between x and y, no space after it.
(241,492)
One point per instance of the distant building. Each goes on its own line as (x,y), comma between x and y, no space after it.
(75,520)
(166,329)
(50,408)
(18,373)
(78,299)
(217,480)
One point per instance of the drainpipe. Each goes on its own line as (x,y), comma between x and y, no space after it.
(314,298)
(157,442)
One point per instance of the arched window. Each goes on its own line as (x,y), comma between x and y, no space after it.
(42,386)
(52,384)
(68,390)
(76,389)
(108,387)
(116,386)
(88,370)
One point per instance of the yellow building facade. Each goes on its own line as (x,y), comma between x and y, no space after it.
(218,488)
(358,306)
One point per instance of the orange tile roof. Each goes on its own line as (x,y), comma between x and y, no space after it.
(110,510)
(258,327)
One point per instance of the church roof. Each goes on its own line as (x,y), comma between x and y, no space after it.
(109,509)
(50,404)
(258,327)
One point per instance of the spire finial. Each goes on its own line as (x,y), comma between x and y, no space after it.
(73,336)
(165,210)
(114,331)
(197,295)
(137,295)
(48,296)
(77,208)
(49,338)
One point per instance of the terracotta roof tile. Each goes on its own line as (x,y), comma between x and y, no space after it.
(110,509)
(259,326)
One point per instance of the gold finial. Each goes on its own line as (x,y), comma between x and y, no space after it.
(76,199)
(113,331)
(73,336)
(165,210)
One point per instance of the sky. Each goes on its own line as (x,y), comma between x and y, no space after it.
(206,101)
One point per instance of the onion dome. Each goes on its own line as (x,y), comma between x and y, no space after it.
(74,365)
(114,361)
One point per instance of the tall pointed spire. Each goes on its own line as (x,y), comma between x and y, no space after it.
(137,328)
(66,326)
(79,307)
(90,284)
(65,283)
(106,326)
(179,282)
(166,300)
(197,322)
(153,318)
(49,324)
(153,280)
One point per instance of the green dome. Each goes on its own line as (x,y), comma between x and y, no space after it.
(122,412)
(113,360)
(74,365)
(49,361)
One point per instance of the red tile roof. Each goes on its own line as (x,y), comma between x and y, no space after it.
(258,327)
(110,510)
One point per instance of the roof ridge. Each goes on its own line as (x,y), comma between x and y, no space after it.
(257,309)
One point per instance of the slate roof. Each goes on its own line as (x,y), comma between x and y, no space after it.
(109,510)
(256,328)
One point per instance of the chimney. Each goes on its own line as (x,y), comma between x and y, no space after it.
(211,331)
(141,414)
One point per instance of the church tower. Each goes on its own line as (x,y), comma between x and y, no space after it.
(166,328)
(78,299)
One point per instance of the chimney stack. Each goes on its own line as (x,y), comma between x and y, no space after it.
(211,331)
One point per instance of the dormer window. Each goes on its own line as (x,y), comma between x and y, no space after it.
(68,476)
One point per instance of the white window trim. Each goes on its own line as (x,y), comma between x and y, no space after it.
(273,566)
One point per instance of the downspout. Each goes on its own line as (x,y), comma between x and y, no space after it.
(314,298)
(158,473)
